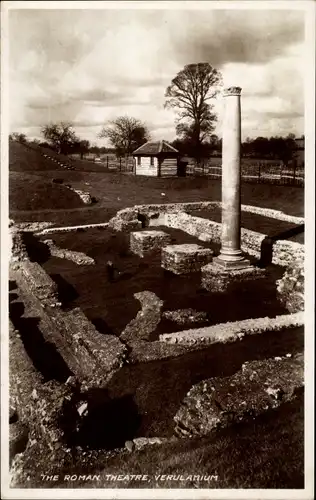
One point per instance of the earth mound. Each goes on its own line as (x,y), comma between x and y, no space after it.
(36,194)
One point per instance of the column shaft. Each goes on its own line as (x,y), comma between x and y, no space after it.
(231,204)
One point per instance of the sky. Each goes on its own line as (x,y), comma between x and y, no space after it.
(90,66)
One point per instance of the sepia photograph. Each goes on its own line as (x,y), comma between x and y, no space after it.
(157,290)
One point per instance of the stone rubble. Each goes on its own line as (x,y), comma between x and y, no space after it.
(147,319)
(259,386)
(184,316)
(290,287)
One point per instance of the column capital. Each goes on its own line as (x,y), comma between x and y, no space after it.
(232,91)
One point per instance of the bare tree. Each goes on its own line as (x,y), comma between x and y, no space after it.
(125,134)
(190,92)
(61,136)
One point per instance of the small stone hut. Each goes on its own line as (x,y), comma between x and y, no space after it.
(157,159)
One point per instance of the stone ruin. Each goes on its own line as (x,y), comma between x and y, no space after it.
(92,359)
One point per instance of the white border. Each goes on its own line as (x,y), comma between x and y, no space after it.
(309,8)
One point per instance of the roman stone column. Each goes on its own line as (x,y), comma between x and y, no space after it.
(230,254)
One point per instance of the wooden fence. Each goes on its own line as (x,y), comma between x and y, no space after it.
(257,172)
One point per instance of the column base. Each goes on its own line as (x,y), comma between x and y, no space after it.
(233,264)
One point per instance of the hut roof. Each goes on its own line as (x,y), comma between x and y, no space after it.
(155,148)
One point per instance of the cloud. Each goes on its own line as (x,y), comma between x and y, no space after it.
(239,36)
(89,66)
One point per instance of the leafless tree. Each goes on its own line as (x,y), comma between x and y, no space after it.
(125,134)
(61,136)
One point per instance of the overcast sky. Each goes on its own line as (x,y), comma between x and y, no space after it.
(89,66)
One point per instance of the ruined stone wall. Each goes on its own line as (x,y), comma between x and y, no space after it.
(37,403)
(232,331)
(91,356)
(40,283)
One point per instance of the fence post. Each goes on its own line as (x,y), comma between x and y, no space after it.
(120,164)
(294,173)
(107,162)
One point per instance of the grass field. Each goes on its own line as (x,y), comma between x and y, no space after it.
(115,190)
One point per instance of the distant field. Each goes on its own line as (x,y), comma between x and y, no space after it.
(115,190)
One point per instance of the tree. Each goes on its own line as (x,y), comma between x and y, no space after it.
(125,134)
(18,137)
(190,92)
(81,147)
(35,142)
(61,136)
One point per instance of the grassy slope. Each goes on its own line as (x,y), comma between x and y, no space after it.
(264,453)
(28,191)
(32,193)
(250,455)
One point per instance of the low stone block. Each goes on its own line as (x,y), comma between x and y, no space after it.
(218,279)
(186,258)
(144,242)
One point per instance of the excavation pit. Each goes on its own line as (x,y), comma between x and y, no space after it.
(111,304)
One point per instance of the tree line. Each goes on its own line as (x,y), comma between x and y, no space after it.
(191,94)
